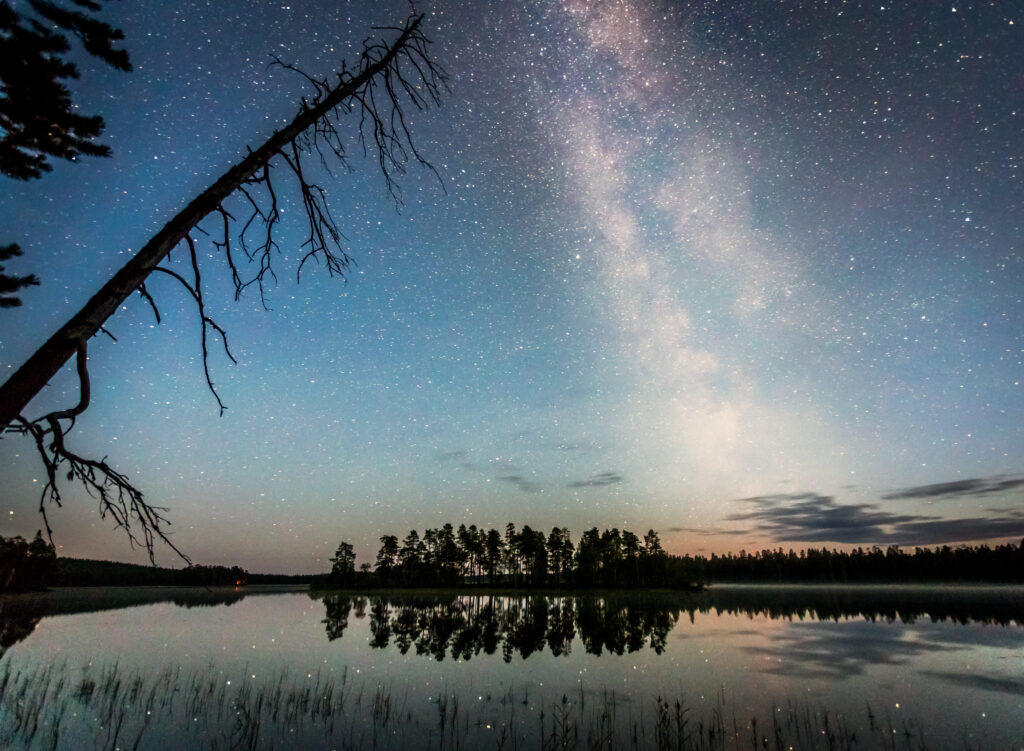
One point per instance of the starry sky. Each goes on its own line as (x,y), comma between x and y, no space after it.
(745,273)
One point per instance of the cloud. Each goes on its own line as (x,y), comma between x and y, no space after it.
(936,531)
(958,488)
(811,517)
(527,486)
(708,531)
(456,459)
(597,481)
(1007,510)
(574,447)
(806,517)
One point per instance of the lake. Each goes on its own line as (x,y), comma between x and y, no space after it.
(732,667)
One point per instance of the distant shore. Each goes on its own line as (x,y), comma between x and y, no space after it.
(66,600)
(995,603)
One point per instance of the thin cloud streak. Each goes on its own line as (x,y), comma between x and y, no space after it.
(958,488)
(602,479)
(520,482)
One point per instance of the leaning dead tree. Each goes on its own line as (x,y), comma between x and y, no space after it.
(390,76)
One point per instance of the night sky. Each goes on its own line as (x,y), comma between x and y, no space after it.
(747,273)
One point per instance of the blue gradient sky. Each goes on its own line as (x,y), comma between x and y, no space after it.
(747,275)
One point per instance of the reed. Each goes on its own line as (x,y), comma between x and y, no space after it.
(54,707)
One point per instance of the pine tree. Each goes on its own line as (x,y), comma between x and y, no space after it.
(38,118)
(343,564)
(11,284)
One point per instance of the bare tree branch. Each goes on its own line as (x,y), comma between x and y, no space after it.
(143,523)
(195,289)
(389,75)
(148,298)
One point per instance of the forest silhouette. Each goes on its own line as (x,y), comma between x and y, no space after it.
(526,557)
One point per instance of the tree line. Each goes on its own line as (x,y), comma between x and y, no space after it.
(977,563)
(34,566)
(26,566)
(82,572)
(526,557)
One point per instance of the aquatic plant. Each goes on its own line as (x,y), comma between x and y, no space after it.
(56,707)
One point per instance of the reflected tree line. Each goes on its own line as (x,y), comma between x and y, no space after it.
(20,615)
(987,605)
(466,626)
(462,627)
(17,621)
(525,557)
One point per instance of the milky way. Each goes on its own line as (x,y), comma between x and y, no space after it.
(747,275)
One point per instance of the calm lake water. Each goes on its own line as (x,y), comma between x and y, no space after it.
(852,667)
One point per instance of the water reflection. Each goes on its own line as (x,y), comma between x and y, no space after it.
(808,651)
(21,613)
(476,671)
(17,622)
(965,604)
(1013,686)
(460,627)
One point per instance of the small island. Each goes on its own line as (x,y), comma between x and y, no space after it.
(619,559)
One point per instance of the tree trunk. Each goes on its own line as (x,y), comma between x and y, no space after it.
(31,377)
